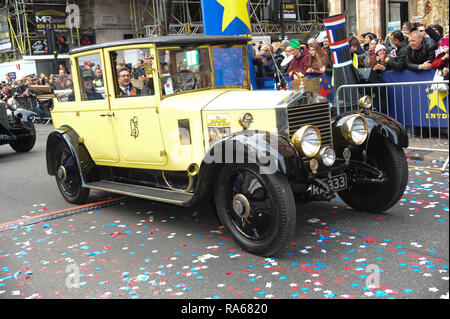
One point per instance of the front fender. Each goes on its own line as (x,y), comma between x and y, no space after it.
(379,124)
(271,152)
(71,139)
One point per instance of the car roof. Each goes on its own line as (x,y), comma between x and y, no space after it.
(169,40)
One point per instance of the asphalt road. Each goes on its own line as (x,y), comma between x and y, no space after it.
(142,249)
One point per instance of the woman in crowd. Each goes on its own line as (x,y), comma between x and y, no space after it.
(378,62)
(441,61)
(370,53)
(318,60)
(368,38)
(284,65)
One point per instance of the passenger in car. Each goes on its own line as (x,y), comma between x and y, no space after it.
(125,86)
(90,93)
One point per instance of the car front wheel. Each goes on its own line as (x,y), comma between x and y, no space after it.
(258,210)
(67,176)
(379,197)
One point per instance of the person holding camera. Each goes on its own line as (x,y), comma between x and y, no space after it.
(397,59)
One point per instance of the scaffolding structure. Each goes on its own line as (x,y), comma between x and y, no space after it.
(157,17)
(185,17)
(22,25)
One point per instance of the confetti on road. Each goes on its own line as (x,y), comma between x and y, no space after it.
(145,250)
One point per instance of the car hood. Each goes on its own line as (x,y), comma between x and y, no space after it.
(227,99)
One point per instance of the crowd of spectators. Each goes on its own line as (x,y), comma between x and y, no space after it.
(22,88)
(415,47)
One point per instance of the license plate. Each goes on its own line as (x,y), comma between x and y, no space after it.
(336,183)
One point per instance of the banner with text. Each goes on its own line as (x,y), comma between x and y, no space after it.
(48,17)
(5,40)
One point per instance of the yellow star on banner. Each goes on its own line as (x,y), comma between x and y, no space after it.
(234,9)
(436,99)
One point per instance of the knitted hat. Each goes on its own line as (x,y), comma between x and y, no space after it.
(87,74)
(370,35)
(380,47)
(295,44)
(439,28)
(285,43)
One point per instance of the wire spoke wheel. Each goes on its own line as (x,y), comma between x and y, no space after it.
(258,210)
(378,197)
(68,178)
(249,205)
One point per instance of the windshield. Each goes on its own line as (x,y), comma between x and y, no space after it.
(190,69)
(229,66)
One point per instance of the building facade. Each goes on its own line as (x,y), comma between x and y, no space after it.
(384,16)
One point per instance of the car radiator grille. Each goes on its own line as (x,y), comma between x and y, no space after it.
(312,114)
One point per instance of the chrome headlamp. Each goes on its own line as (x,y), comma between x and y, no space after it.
(365,102)
(327,156)
(355,130)
(307,140)
(11,104)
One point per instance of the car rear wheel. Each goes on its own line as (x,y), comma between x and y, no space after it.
(372,197)
(67,176)
(258,210)
(26,143)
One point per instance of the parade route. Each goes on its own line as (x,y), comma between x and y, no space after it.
(141,249)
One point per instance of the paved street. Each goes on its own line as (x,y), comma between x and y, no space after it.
(141,249)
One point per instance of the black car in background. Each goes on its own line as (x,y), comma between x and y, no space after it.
(16,126)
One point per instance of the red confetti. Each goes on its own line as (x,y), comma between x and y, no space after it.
(370,240)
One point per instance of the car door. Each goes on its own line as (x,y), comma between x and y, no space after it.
(94,111)
(134,105)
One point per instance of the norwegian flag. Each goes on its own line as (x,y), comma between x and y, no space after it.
(339,46)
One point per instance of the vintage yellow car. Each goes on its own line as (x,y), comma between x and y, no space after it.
(175,119)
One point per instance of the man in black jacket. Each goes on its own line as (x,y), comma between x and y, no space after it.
(398,60)
(420,52)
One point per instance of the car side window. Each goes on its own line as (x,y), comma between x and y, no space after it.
(91,77)
(133,74)
(62,84)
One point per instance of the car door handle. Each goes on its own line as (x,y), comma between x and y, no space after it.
(107,114)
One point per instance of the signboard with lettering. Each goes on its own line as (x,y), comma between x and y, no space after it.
(39,47)
(5,41)
(289,12)
(48,17)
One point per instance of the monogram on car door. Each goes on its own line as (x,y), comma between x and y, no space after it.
(134,105)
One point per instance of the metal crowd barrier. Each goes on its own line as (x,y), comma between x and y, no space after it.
(422,107)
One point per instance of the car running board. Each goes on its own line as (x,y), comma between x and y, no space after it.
(151,193)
